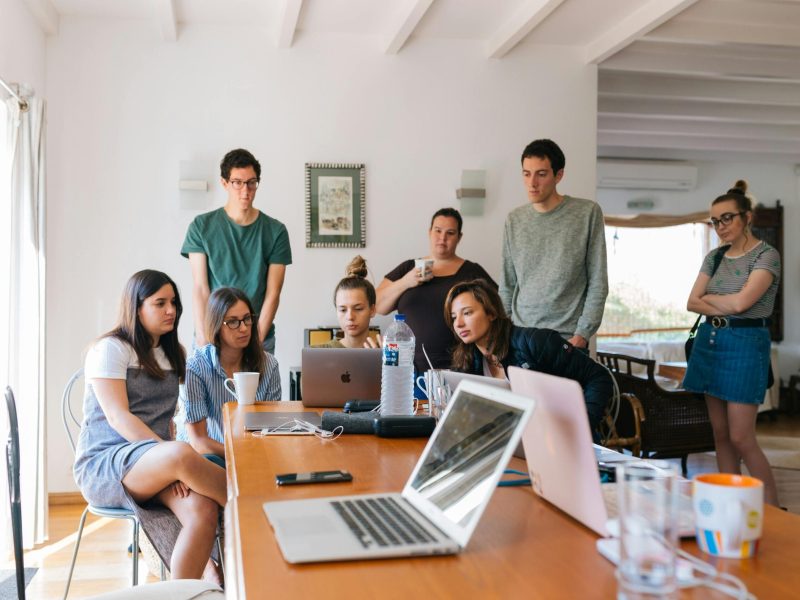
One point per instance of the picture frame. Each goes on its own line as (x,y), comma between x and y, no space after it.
(335,205)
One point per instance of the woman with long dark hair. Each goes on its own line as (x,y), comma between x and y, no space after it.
(124,456)
(231,325)
(730,359)
(488,343)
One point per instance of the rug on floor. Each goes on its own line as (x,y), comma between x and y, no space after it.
(8,582)
(782,452)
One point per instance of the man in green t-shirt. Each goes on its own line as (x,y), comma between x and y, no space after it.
(238,246)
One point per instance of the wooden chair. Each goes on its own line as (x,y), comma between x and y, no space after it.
(671,424)
(13,466)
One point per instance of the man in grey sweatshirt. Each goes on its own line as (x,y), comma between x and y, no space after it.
(554,253)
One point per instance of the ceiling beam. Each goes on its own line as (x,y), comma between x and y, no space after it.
(288,23)
(788,147)
(646,126)
(405,25)
(167,21)
(727,33)
(723,62)
(45,14)
(644,85)
(632,27)
(697,111)
(525,20)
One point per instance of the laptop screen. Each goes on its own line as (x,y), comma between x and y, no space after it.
(459,468)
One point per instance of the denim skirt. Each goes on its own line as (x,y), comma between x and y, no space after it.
(730,363)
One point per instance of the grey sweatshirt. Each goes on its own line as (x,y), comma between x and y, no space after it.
(554,267)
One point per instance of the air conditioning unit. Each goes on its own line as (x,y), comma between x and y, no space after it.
(646,175)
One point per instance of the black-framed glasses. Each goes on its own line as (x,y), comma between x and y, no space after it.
(725,219)
(236,323)
(238,184)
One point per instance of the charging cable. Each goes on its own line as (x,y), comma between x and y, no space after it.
(301,426)
(514,482)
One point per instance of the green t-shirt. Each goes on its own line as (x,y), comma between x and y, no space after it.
(239,256)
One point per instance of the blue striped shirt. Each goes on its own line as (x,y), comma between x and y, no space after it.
(204,393)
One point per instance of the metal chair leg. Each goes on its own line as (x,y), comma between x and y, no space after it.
(221,554)
(135,527)
(75,551)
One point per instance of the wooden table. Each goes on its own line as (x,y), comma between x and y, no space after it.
(672,370)
(523,546)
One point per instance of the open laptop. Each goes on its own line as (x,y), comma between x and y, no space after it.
(280,422)
(332,376)
(442,501)
(562,461)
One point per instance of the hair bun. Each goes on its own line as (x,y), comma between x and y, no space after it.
(740,187)
(357,267)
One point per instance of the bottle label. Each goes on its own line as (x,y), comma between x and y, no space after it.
(391,354)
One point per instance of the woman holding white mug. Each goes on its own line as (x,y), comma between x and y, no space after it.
(235,348)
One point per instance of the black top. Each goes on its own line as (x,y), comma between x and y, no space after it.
(423,307)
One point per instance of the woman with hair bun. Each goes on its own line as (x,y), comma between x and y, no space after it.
(730,359)
(354,299)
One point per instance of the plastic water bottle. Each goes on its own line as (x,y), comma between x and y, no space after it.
(397,374)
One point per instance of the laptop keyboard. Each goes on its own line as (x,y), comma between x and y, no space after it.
(380,521)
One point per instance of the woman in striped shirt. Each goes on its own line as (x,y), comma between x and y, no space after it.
(230,324)
(730,360)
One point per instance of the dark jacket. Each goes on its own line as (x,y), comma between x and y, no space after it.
(546,351)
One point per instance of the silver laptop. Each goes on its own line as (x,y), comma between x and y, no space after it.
(442,501)
(332,376)
(562,461)
(280,422)
(453,378)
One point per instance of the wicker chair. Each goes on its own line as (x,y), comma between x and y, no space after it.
(673,424)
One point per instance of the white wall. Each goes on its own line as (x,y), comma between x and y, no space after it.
(22,47)
(768,182)
(126,108)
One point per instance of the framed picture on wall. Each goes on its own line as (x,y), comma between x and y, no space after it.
(335,206)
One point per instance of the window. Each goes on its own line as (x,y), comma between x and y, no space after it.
(650,274)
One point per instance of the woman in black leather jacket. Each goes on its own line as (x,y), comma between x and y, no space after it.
(488,343)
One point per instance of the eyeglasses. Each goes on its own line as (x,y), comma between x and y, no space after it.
(725,219)
(237,184)
(236,323)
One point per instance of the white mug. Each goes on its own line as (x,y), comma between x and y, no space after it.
(729,512)
(245,385)
(425,267)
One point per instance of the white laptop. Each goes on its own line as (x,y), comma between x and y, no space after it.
(332,376)
(562,461)
(443,499)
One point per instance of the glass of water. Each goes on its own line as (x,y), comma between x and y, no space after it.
(648,516)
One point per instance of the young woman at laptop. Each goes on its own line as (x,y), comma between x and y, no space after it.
(124,456)
(488,343)
(235,347)
(354,299)
(730,359)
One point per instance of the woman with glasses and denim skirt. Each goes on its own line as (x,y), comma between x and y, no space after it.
(730,360)
(235,347)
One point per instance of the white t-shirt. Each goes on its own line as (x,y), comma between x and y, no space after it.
(110,358)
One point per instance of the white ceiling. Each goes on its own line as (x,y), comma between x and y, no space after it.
(677,78)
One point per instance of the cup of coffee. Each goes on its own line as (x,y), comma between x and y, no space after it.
(425,268)
(244,387)
(729,513)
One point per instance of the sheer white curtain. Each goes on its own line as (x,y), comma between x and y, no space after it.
(22,299)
